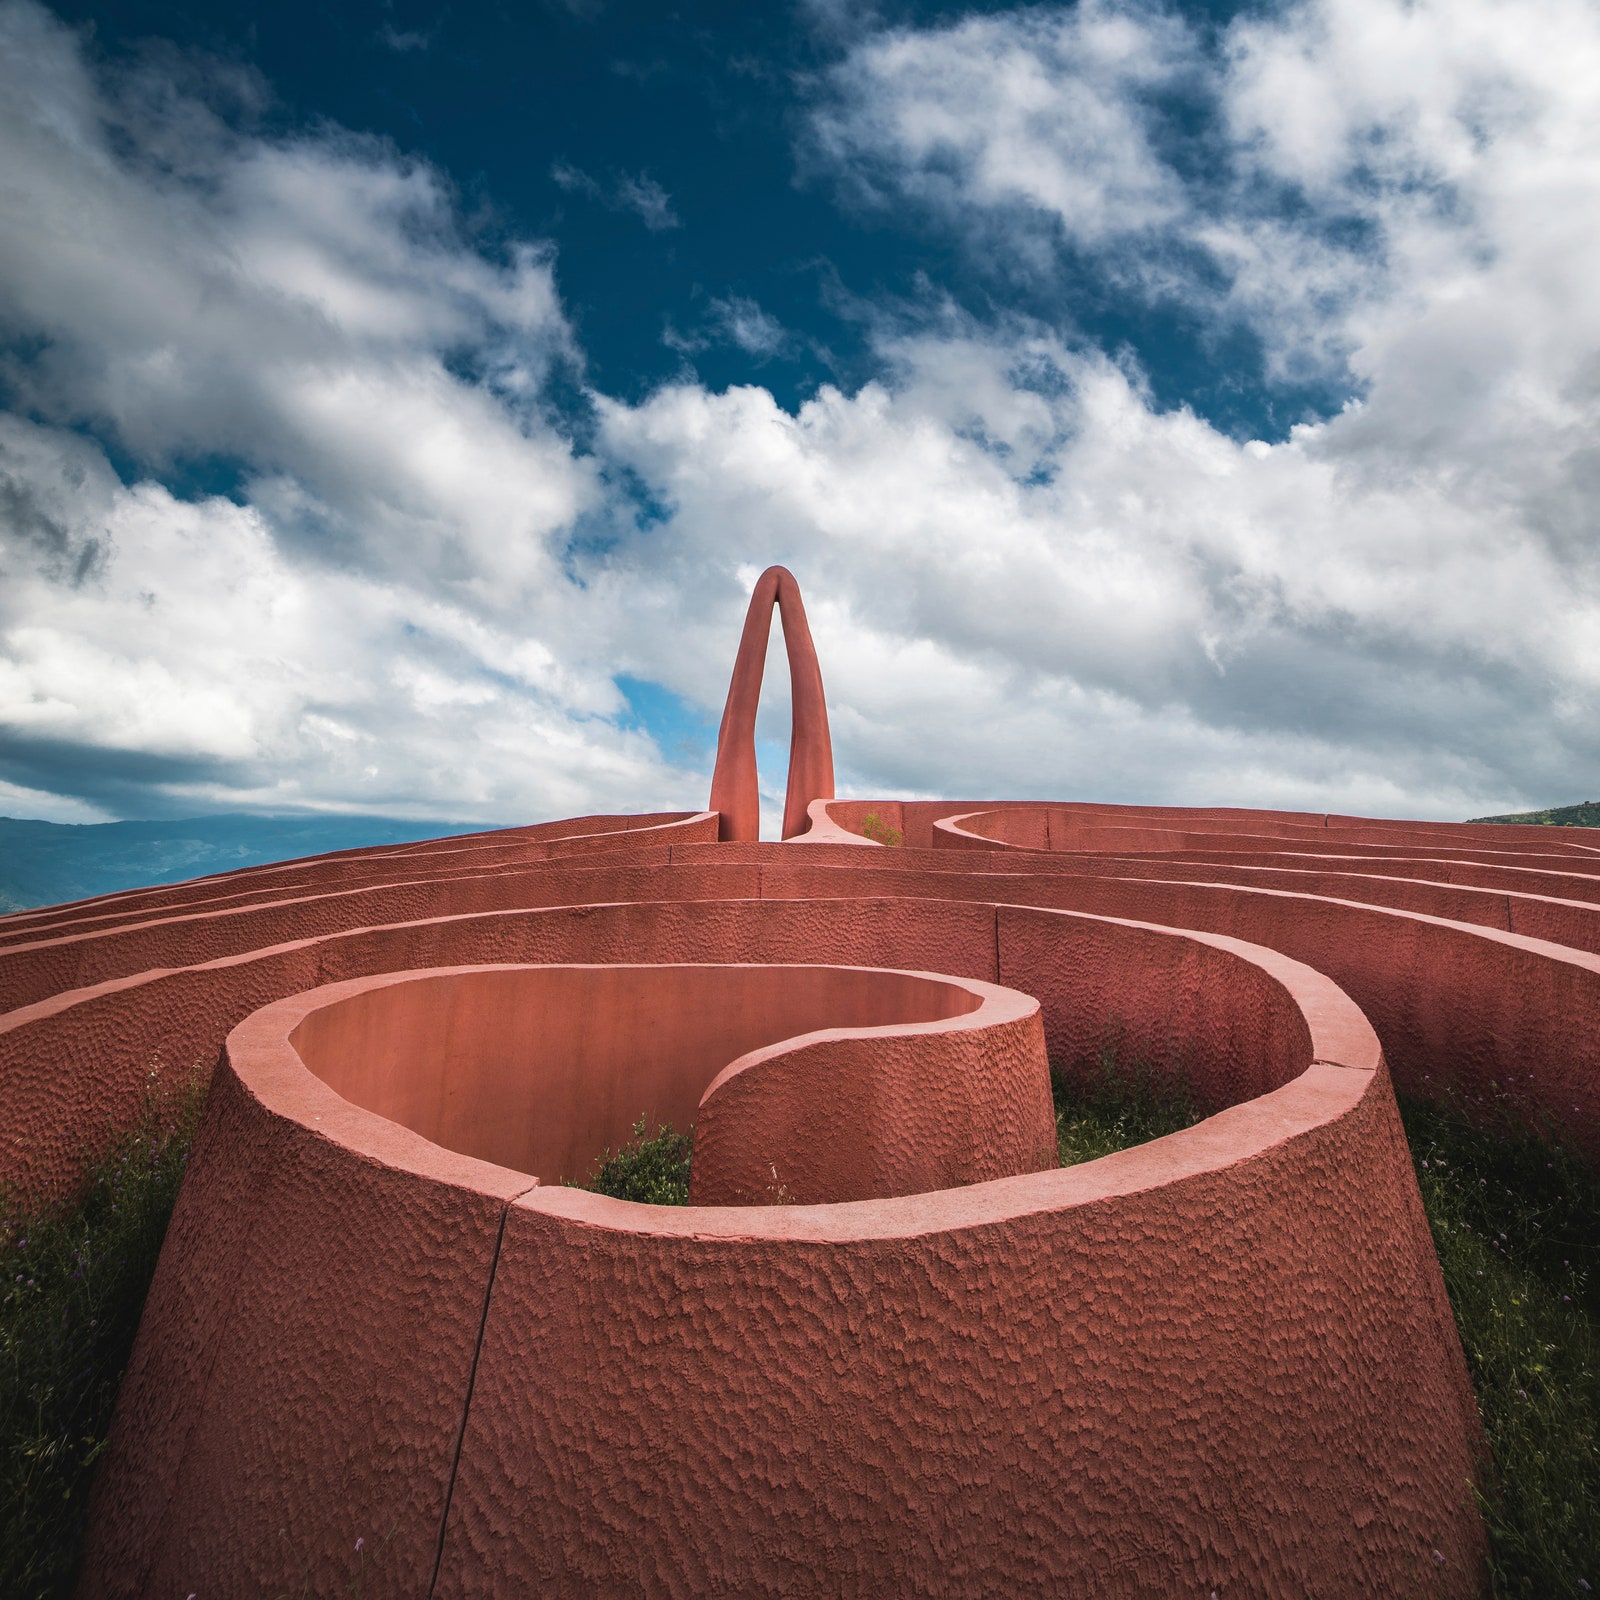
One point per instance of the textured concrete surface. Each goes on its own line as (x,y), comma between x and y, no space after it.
(959,1096)
(1173,1375)
(305,1357)
(1222,1361)
(1224,1358)
(858,1082)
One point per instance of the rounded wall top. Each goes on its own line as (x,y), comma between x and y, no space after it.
(541,1068)
(264,1053)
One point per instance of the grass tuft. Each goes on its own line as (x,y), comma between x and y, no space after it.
(1516,1223)
(652,1169)
(1117,1104)
(73,1280)
(881,832)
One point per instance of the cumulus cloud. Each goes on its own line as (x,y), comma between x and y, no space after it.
(1324,170)
(1032,582)
(382,622)
(1025,577)
(1046,109)
(736,320)
(1403,198)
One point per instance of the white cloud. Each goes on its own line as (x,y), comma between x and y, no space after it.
(639,193)
(645,196)
(1043,108)
(742,321)
(357,632)
(289,305)
(1407,195)
(1023,576)
(404,40)
(737,320)
(230,672)
(1054,589)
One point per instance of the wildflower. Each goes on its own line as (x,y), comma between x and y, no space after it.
(359,1543)
(1438,1558)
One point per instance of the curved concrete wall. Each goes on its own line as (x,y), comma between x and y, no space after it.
(1004,1386)
(868,1113)
(856,1083)
(309,1272)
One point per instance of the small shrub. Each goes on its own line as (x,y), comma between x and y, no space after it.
(73,1281)
(880,832)
(652,1169)
(1117,1104)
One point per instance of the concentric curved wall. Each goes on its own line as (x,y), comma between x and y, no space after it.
(1220,1361)
(890,1349)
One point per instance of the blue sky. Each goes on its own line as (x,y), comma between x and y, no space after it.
(665,154)
(1176,404)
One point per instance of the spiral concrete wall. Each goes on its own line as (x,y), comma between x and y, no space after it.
(1223,1358)
(1222,1361)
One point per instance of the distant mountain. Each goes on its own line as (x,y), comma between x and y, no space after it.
(1586,814)
(44,863)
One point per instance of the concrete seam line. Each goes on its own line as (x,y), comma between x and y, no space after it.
(472,1378)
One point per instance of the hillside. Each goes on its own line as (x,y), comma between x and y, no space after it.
(1586,814)
(44,863)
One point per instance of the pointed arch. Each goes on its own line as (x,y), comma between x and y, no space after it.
(734,790)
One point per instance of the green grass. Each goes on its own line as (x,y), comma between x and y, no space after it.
(1516,1222)
(653,1169)
(880,832)
(1115,1105)
(73,1279)
(1586,814)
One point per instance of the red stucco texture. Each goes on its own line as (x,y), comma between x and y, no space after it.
(889,1348)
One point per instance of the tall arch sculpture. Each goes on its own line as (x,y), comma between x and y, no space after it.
(735,795)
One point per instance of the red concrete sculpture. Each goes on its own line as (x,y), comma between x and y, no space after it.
(889,1348)
(735,794)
